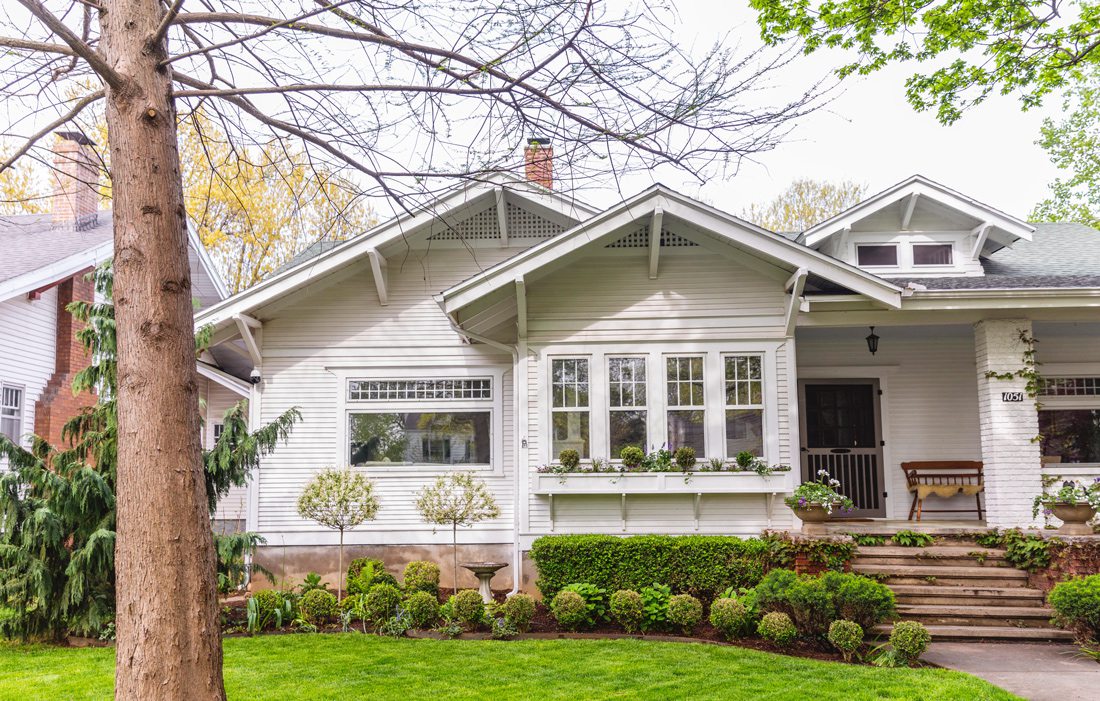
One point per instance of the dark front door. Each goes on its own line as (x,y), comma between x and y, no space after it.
(841,434)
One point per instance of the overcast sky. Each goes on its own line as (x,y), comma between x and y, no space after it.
(870,134)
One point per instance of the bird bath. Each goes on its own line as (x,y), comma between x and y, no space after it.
(484,572)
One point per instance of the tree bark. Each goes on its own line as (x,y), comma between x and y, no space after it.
(454,551)
(340,571)
(169,642)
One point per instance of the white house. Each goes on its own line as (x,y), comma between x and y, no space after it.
(507,322)
(44,261)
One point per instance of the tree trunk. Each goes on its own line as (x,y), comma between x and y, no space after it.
(169,642)
(454,551)
(340,571)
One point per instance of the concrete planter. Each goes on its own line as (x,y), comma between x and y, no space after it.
(1075,518)
(813,517)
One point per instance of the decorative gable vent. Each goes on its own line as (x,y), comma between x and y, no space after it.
(483,226)
(639,238)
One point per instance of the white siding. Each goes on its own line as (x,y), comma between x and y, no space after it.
(28,336)
(234,505)
(930,393)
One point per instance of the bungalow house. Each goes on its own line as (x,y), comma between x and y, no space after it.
(44,262)
(506,322)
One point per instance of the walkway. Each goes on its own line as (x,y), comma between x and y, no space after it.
(1036,672)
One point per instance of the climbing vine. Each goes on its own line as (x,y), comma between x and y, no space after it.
(1028,372)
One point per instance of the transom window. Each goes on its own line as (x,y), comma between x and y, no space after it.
(744,396)
(570,406)
(1071,386)
(446,388)
(11,412)
(686,406)
(627,403)
(877,254)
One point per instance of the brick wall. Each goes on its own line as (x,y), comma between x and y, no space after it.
(57,403)
(1011,456)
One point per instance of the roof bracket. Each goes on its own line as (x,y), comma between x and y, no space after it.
(981,231)
(655,241)
(909,207)
(502,216)
(379,273)
(521,308)
(245,325)
(795,286)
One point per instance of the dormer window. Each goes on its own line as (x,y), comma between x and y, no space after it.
(932,254)
(884,255)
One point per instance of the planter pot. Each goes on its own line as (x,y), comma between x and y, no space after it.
(813,518)
(1075,518)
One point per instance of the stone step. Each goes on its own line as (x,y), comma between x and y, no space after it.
(996,616)
(929,551)
(972,633)
(946,556)
(931,595)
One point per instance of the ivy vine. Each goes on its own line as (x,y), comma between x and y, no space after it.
(1028,372)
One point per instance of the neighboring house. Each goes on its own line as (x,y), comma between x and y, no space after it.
(507,322)
(44,262)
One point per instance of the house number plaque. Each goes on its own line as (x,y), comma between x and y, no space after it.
(1012,396)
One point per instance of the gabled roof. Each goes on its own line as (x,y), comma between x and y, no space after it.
(602,228)
(1004,228)
(38,253)
(325,259)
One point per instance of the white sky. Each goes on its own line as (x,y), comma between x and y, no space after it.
(870,134)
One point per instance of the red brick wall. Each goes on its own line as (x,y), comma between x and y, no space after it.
(1072,557)
(539,163)
(57,403)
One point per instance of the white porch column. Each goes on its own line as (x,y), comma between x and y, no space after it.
(1011,456)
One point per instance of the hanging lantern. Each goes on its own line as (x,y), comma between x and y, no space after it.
(872,341)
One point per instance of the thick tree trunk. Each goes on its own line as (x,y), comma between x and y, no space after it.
(169,643)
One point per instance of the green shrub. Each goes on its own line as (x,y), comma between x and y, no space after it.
(1076,604)
(380,603)
(422,608)
(595,600)
(655,600)
(632,457)
(519,609)
(862,600)
(570,610)
(502,629)
(569,459)
(731,618)
(685,458)
(269,607)
(468,608)
(626,609)
(813,603)
(778,629)
(364,573)
(847,637)
(349,603)
(702,566)
(421,575)
(909,639)
(318,606)
(685,611)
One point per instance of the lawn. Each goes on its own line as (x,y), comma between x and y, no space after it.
(361,666)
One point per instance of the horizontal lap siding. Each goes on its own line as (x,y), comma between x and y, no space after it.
(234,505)
(698,295)
(931,397)
(28,338)
(344,326)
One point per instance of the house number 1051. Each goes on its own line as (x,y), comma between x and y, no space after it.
(1012,396)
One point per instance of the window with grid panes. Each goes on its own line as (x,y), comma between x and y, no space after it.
(686,414)
(744,400)
(569,410)
(627,404)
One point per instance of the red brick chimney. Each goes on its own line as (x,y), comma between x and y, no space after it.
(75,178)
(539,156)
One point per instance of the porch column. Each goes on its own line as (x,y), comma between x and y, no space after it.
(1008,428)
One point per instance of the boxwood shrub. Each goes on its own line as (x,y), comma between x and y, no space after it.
(1076,604)
(813,603)
(702,566)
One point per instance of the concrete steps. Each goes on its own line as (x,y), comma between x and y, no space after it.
(960,591)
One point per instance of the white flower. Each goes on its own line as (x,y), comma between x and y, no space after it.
(822,473)
(834,483)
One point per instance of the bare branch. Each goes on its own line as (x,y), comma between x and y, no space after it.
(80,48)
(165,23)
(63,119)
(39,46)
(326,87)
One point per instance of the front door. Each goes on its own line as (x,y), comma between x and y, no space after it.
(841,434)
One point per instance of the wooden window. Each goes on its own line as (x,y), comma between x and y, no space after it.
(570,410)
(881,255)
(627,404)
(11,412)
(744,400)
(686,413)
(932,254)
(403,390)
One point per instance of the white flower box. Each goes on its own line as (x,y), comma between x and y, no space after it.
(662,483)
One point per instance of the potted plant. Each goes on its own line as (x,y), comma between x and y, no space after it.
(813,502)
(569,459)
(632,457)
(685,458)
(1075,504)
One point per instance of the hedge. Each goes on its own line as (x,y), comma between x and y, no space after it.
(703,566)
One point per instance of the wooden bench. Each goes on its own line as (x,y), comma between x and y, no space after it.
(943,478)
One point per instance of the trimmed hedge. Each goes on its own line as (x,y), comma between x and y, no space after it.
(703,566)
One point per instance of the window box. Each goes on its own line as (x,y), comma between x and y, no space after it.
(661,483)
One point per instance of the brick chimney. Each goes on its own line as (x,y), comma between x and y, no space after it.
(538,157)
(74,204)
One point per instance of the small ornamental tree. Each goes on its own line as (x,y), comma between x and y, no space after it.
(456,500)
(339,499)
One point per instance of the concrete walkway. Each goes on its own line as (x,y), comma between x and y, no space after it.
(1038,672)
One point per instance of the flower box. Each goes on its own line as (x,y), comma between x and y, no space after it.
(661,483)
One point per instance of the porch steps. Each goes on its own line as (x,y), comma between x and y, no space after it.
(960,591)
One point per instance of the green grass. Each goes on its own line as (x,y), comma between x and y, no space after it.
(360,666)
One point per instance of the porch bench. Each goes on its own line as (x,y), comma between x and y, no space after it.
(943,478)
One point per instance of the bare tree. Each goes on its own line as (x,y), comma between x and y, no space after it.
(397,96)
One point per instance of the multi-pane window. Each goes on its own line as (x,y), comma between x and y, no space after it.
(1070,435)
(11,412)
(626,385)
(570,405)
(744,399)
(685,405)
(1071,387)
(374,390)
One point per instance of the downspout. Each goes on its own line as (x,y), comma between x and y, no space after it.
(514,351)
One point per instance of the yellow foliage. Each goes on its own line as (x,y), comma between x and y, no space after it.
(805,203)
(21,190)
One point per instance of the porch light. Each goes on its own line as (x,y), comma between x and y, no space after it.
(872,341)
